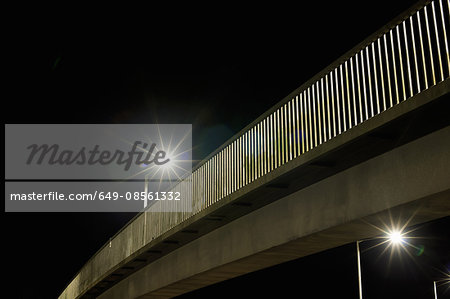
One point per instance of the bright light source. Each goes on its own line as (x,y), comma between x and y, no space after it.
(396,237)
(170,165)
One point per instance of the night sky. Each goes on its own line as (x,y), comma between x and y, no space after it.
(217,67)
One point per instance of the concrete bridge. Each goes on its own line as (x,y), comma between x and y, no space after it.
(362,144)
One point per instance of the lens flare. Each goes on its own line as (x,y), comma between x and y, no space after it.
(420,250)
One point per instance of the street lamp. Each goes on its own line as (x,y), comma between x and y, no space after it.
(359,268)
(435,285)
(434,288)
(395,238)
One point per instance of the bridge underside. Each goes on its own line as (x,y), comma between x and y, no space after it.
(422,210)
(286,194)
(396,171)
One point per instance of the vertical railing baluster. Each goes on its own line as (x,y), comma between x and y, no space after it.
(388,70)
(272,142)
(238,163)
(218,196)
(445,35)
(235,168)
(319,126)
(242,159)
(359,89)
(348,96)
(419,25)
(402,76)
(299,138)
(216,177)
(369,75)
(338,110)
(278,152)
(380,60)
(355,117)
(437,40)
(247,158)
(302,120)
(233,163)
(306,119)
(416,66)
(376,78)
(343,99)
(323,110)
(314,115)
(253,154)
(211,181)
(229,170)
(287,111)
(257,152)
(230,151)
(222,177)
(395,68)
(293,129)
(448,6)
(266,140)
(281,120)
(429,45)
(285,135)
(260,147)
(328,107)
(208,185)
(222,170)
(310,120)
(364,86)
(332,104)
(268,143)
(407,59)
(225,172)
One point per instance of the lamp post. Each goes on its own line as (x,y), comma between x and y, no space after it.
(442,281)
(358,256)
(395,237)
(435,290)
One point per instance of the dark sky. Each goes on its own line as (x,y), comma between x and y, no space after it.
(217,67)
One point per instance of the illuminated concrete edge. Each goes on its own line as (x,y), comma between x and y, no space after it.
(409,180)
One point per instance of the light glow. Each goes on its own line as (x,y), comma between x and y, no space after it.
(396,237)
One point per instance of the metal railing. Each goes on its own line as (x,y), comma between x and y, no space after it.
(404,60)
